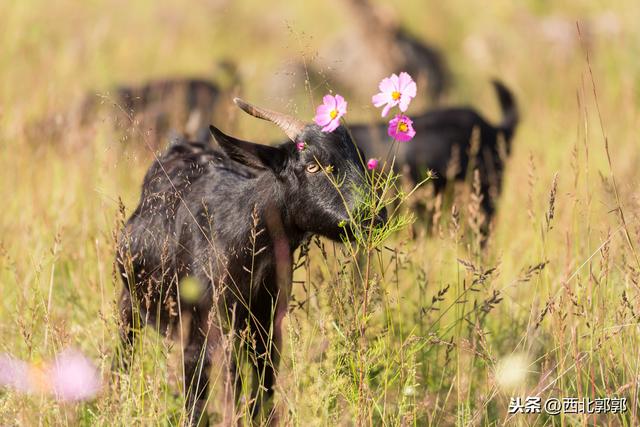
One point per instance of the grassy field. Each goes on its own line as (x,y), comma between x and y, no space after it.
(550,306)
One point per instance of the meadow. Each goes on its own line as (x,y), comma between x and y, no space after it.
(454,328)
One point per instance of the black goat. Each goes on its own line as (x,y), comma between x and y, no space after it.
(444,140)
(158,107)
(150,112)
(372,46)
(380,35)
(231,220)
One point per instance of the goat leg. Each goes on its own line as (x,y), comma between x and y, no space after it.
(266,361)
(197,364)
(128,327)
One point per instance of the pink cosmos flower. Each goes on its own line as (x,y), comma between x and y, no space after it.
(401,128)
(395,90)
(329,112)
(74,377)
(70,377)
(372,164)
(14,373)
(300,145)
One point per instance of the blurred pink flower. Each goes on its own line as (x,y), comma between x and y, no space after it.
(14,373)
(395,90)
(401,128)
(70,377)
(74,377)
(372,164)
(301,145)
(329,112)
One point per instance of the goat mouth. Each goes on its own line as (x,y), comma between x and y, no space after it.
(380,218)
(352,230)
(374,219)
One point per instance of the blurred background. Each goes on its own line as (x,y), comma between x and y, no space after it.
(74,146)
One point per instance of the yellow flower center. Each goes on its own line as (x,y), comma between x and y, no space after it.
(333,114)
(402,127)
(395,95)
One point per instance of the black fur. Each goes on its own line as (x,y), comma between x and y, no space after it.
(197,214)
(440,134)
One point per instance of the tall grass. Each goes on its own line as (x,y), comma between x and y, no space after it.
(434,323)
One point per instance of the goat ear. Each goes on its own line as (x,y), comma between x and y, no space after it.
(256,156)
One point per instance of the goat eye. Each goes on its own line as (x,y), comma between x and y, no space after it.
(313,167)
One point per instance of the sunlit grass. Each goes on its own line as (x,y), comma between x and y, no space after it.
(448,323)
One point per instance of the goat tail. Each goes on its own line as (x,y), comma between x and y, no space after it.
(510,115)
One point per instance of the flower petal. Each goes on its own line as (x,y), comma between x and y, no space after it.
(395,81)
(411,89)
(323,109)
(331,126)
(407,120)
(341,106)
(14,373)
(322,119)
(322,115)
(392,129)
(404,80)
(386,109)
(405,100)
(74,377)
(386,85)
(329,101)
(380,99)
(407,136)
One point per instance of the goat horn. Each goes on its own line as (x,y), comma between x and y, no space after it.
(291,126)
